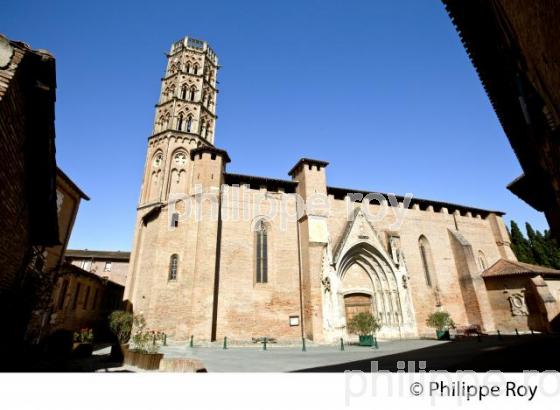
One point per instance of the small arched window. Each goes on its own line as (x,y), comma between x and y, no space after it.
(188,67)
(189,124)
(180,122)
(261,239)
(184,92)
(203,128)
(192,94)
(427,263)
(196,69)
(173,264)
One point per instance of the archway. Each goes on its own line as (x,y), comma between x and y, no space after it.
(367,278)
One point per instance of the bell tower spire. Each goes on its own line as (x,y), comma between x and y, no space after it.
(187,103)
(185,119)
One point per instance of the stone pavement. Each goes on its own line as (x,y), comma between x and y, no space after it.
(506,353)
(287,358)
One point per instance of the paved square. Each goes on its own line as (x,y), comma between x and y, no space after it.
(286,359)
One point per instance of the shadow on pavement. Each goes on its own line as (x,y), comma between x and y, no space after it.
(506,354)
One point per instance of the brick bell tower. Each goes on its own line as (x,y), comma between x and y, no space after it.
(184,124)
(185,118)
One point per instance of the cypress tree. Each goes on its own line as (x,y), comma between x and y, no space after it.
(552,249)
(520,245)
(538,246)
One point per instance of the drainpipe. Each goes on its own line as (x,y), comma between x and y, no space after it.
(300,269)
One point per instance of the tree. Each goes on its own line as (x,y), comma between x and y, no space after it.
(519,245)
(552,249)
(363,324)
(120,323)
(440,321)
(539,248)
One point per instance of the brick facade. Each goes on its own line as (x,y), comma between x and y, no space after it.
(28,220)
(196,265)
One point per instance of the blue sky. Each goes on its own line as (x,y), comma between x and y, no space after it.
(382,89)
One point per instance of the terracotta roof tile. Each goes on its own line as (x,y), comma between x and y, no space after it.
(505,267)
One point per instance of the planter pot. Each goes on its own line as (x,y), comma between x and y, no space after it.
(442,334)
(82,349)
(366,340)
(148,361)
(130,357)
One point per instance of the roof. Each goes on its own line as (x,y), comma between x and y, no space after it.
(515,52)
(75,187)
(68,268)
(86,253)
(504,267)
(342,192)
(256,182)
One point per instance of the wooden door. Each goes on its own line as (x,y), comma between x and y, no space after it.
(356,303)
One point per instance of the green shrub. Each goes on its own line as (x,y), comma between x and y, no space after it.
(84,335)
(440,321)
(363,324)
(120,323)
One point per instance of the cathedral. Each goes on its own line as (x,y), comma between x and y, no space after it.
(218,254)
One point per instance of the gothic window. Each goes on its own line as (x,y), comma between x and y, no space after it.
(427,262)
(173,262)
(261,239)
(188,67)
(189,124)
(165,121)
(184,92)
(180,159)
(180,123)
(157,160)
(203,129)
(196,69)
(192,94)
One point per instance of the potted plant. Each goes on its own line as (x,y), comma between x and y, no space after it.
(120,323)
(364,325)
(145,344)
(83,342)
(442,322)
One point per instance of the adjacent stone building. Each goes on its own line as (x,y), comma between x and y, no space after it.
(39,202)
(83,299)
(220,254)
(49,261)
(515,50)
(28,219)
(110,265)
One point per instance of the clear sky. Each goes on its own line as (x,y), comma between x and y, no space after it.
(382,89)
